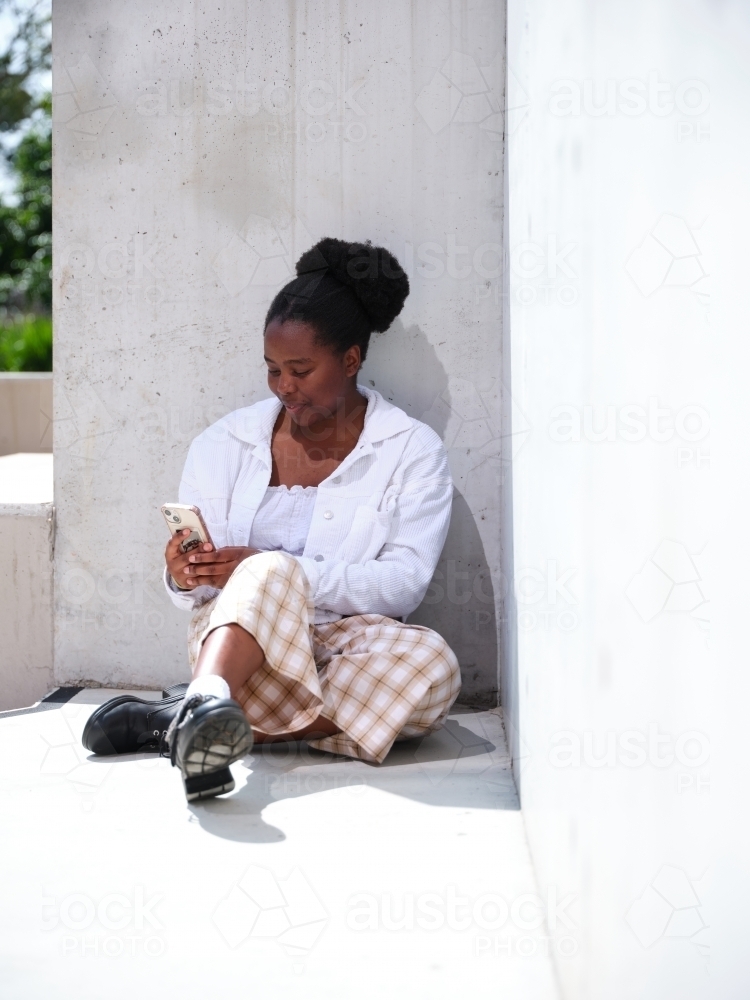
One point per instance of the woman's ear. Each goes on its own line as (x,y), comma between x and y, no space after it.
(352,360)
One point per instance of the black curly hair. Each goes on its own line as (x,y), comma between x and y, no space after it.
(346,291)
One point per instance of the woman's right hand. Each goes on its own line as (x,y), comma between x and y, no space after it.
(178,561)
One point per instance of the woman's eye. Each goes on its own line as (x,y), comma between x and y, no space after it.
(273,373)
(300,374)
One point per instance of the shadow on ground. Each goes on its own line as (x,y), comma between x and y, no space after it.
(463,764)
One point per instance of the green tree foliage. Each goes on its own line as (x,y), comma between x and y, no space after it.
(26,344)
(26,217)
(28,52)
(26,227)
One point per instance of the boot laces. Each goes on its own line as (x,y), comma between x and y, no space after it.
(168,739)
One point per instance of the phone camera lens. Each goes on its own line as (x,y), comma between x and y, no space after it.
(168,513)
(176,518)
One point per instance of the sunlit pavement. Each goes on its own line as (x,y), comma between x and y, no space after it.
(318,876)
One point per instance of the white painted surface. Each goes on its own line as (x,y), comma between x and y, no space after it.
(25,412)
(267,890)
(611,531)
(26,479)
(220,143)
(26,606)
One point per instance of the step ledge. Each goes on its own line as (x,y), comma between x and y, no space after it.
(26,509)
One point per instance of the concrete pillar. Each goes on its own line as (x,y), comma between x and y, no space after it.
(198,152)
(610,343)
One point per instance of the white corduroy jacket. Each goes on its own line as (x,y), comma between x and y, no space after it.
(380,520)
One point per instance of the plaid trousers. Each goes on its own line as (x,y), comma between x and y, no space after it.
(377,679)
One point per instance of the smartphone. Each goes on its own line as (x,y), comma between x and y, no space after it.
(178,517)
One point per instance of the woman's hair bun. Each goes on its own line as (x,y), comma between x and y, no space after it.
(373,274)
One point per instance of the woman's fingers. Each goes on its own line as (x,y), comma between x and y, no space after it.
(219,556)
(177,539)
(209,567)
(221,569)
(173,550)
(173,546)
(208,581)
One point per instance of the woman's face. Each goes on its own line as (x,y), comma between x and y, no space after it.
(310,378)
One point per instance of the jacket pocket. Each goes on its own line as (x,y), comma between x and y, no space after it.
(367,535)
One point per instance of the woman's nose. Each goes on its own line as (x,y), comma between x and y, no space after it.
(286,386)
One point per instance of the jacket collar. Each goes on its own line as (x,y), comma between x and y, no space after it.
(254,424)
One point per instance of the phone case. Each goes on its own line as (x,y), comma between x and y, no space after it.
(179,516)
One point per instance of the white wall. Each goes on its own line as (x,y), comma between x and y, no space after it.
(198,152)
(26,608)
(610,530)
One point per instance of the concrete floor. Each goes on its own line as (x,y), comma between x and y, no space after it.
(318,877)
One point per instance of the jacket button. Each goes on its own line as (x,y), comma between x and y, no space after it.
(328,514)
(318,558)
(336,481)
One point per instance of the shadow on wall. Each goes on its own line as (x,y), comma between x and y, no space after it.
(460,603)
(403,366)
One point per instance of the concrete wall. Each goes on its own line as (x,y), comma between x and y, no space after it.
(25,412)
(26,608)
(609,348)
(198,152)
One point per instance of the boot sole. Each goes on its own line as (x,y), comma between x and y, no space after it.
(206,786)
(216,744)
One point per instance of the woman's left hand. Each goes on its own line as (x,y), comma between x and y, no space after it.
(213,569)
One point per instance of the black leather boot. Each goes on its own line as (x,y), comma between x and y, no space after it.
(205,737)
(127,724)
(170,692)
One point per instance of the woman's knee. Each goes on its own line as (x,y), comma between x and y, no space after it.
(269,563)
(270,566)
(439,648)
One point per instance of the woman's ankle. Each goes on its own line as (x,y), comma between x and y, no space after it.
(209,684)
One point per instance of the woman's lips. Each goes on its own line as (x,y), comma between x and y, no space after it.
(295,407)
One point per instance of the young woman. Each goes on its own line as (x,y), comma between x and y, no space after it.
(328,508)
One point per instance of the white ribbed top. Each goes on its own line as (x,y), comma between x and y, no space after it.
(283,519)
